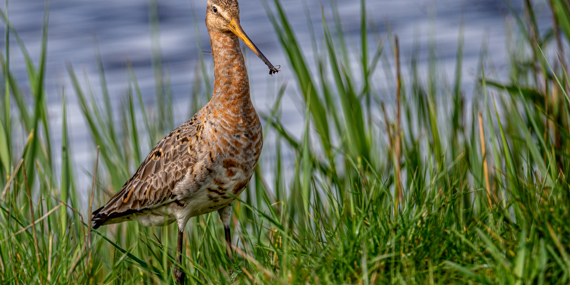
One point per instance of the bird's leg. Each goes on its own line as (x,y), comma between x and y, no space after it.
(225,216)
(178,273)
(228,242)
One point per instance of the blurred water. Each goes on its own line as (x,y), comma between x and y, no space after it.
(122,31)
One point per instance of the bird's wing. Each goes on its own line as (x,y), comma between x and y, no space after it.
(153,183)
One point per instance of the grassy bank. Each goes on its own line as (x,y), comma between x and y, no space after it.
(422,189)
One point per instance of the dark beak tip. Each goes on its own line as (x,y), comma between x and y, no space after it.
(273,70)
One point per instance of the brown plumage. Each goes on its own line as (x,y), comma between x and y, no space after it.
(203,164)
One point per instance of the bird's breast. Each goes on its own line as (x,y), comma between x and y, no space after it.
(234,144)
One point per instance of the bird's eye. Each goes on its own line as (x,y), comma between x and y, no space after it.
(215,10)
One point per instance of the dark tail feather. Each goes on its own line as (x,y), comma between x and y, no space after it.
(97,224)
(101,219)
(97,218)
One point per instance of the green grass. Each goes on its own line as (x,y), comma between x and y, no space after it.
(337,219)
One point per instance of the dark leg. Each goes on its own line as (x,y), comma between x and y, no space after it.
(225,216)
(178,273)
(228,242)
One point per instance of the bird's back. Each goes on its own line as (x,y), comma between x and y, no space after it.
(198,168)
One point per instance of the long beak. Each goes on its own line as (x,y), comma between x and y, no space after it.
(238,31)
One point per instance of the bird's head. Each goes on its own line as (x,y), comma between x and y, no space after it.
(223,16)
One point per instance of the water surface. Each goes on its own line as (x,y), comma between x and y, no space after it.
(121,30)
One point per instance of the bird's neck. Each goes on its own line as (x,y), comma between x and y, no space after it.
(231,86)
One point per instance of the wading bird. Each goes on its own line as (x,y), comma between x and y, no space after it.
(203,164)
